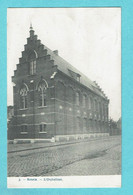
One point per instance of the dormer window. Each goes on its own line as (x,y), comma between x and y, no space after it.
(74,75)
(78,77)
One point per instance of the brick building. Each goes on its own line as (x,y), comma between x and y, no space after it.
(52,99)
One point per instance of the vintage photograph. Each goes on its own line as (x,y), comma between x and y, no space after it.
(63,94)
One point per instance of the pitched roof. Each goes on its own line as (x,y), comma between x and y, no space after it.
(69,70)
(66,67)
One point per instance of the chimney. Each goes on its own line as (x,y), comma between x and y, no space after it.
(56,52)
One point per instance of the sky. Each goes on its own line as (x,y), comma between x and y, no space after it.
(88,38)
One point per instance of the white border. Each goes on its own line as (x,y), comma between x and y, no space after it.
(105,181)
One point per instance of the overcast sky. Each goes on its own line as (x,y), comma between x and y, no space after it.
(88,38)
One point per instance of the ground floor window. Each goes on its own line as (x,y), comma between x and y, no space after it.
(23,128)
(23,96)
(42,127)
(85,124)
(91,125)
(78,123)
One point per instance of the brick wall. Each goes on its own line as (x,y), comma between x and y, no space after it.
(63,114)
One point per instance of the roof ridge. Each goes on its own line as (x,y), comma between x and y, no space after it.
(76,70)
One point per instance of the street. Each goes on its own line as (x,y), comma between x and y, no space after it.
(90,157)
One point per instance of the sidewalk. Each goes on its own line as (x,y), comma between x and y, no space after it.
(31,146)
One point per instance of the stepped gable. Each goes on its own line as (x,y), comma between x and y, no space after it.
(35,44)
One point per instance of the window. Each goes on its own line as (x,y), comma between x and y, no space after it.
(42,100)
(78,123)
(23,128)
(91,125)
(77,98)
(74,75)
(99,109)
(84,101)
(89,106)
(42,86)
(85,124)
(32,62)
(103,110)
(42,128)
(96,105)
(32,67)
(23,96)
(106,110)
(91,103)
(78,78)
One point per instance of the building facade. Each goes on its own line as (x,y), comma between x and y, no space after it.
(52,99)
(10,113)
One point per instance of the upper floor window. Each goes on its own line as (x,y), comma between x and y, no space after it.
(32,62)
(32,67)
(103,110)
(91,103)
(77,98)
(84,101)
(23,96)
(106,110)
(99,109)
(96,105)
(42,86)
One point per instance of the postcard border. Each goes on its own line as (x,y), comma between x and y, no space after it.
(127,103)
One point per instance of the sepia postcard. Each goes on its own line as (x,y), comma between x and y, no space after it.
(64,97)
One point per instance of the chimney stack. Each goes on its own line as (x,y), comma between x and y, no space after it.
(56,52)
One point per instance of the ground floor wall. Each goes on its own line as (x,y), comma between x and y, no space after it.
(56,119)
(56,124)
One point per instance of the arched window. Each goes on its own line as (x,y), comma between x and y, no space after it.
(95,104)
(60,91)
(84,101)
(103,109)
(99,107)
(32,62)
(91,103)
(70,95)
(106,110)
(23,96)
(42,86)
(77,98)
